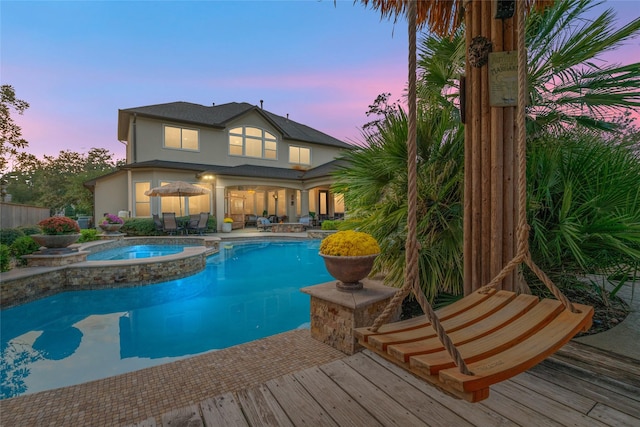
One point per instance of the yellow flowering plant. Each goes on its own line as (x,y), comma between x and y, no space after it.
(228,220)
(349,243)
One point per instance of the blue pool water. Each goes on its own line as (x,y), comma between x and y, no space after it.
(246,292)
(135,252)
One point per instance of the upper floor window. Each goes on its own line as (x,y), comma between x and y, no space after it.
(248,141)
(299,155)
(181,138)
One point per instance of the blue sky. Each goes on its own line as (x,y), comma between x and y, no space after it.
(78,62)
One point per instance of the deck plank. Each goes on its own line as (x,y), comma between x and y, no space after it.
(420,404)
(149,422)
(515,410)
(623,369)
(381,407)
(557,374)
(613,417)
(301,408)
(188,416)
(261,408)
(222,410)
(367,389)
(570,398)
(471,412)
(343,408)
(546,405)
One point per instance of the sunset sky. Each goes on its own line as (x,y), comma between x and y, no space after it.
(323,63)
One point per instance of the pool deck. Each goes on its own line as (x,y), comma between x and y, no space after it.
(592,381)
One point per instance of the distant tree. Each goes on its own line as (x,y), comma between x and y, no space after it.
(57,182)
(380,109)
(10,133)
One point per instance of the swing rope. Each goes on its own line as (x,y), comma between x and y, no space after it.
(523,254)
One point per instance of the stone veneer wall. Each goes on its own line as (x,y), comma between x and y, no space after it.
(32,287)
(319,234)
(106,274)
(334,313)
(83,277)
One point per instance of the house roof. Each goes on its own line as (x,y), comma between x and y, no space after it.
(252,171)
(218,116)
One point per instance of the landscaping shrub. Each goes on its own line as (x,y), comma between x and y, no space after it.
(584,206)
(4,258)
(212,225)
(24,245)
(139,227)
(88,235)
(9,235)
(329,225)
(28,230)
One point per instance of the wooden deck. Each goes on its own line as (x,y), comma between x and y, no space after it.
(578,386)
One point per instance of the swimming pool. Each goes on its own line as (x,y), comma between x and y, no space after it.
(135,252)
(246,292)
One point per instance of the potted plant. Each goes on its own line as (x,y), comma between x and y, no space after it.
(58,232)
(111,223)
(227,225)
(349,256)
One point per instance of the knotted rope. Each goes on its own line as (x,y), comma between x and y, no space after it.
(523,253)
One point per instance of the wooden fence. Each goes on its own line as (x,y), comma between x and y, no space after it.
(13,215)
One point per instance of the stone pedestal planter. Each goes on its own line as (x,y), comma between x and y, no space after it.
(226,227)
(349,270)
(55,241)
(111,228)
(335,313)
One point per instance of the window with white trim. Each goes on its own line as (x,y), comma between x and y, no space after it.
(178,138)
(142,205)
(299,155)
(247,141)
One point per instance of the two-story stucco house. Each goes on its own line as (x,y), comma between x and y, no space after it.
(251,161)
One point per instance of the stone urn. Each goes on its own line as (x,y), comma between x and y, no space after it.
(111,228)
(226,227)
(349,270)
(55,241)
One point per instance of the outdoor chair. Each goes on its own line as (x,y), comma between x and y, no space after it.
(263,224)
(170,224)
(192,225)
(158,223)
(200,225)
(251,219)
(305,220)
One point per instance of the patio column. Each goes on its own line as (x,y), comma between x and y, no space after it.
(304,202)
(220,205)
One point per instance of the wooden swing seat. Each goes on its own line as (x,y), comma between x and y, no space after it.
(499,334)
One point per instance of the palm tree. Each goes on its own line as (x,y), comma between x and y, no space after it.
(568,85)
(374,183)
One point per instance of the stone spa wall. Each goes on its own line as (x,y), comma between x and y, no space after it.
(23,285)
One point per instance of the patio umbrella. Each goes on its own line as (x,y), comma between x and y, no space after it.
(177,189)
